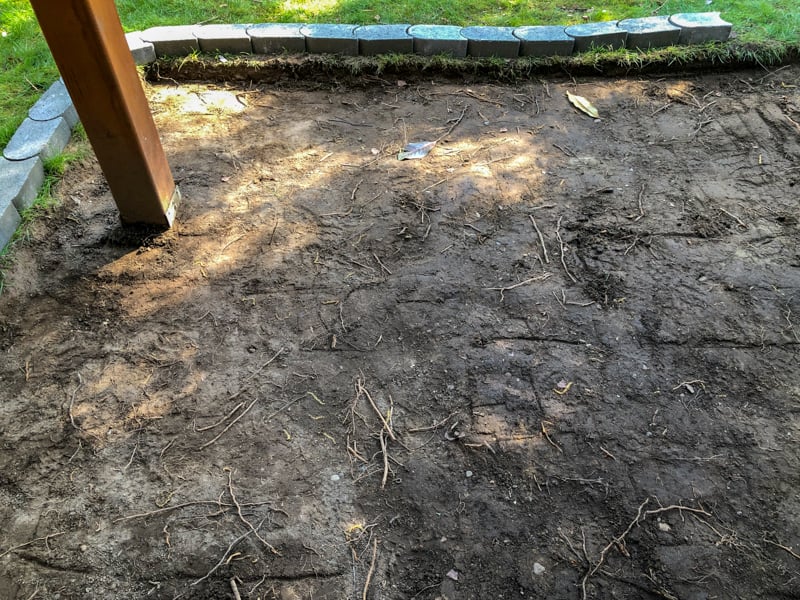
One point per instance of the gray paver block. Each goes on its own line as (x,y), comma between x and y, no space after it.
(650,32)
(491,41)
(232,39)
(274,38)
(597,35)
(38,138)
(143,52)
(9,221)
(20,181)
(173,40)
(430,40)
(384,39)
(331,39)
(54,103)
(700,28)
(544,40)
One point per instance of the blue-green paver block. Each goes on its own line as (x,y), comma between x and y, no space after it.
(331,39)
(275,38)
(38,138)
(597,35)
(172,40)
(650,32)
(384,39)
(9,221)
(143,52)
(544,40)
(499,42)
(430,40)
(231,39)
(700,28)
(54,103)
(20,181)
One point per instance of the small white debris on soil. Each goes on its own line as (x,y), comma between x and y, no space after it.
(538,568)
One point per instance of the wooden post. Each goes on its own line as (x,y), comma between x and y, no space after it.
(89,47)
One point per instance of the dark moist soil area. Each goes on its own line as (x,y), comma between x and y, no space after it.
(556,358)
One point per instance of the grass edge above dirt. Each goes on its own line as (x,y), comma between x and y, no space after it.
(601,62)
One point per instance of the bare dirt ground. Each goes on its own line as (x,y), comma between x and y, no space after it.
(556,358)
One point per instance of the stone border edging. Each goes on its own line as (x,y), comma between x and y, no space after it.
(46,131)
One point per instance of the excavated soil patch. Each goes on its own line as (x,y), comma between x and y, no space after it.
(555,358)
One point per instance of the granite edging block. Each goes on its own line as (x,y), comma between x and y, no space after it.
(701,28)
(172,40)
(54,103)
(544,40)
(143,52)
(274,38)
(20,181)
(38,138)
(331,39)
(384,39)
(9,221)
(231,39)
(597,35)
(430,40)
(499,42)
(650,32)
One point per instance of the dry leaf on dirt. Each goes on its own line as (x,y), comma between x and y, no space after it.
(415,150)
(583,105)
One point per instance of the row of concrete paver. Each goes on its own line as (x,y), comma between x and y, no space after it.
(429,40)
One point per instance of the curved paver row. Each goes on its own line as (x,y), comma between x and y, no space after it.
(46,131)
(428,40)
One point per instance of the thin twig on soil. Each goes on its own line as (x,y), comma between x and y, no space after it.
(607,453)
(371,568)
(641,209)
(33,541)
(782,547)
(242,517)
(383,266)
(360,389)
(431,186)
(432,427)
(549,439)
(235,589)
(502,290)
(565,150)
(133,454)
(167,509)
(385,453)
(452,127)
(72,401)
(741,223)
(257,585)
(231,424)
(255,373)
(355,189)
(562,246)
(541,239)
(618,541)
(222,420)
(225,554)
